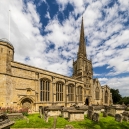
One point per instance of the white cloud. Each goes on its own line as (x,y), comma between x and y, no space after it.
(108,40)
(121,83)
(48,15)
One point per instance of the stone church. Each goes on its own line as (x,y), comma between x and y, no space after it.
(22,85)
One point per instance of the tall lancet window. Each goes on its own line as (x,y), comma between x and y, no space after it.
(70,92)
(44,90)
(59,91)
(97,93)
(106,96)
(79,93)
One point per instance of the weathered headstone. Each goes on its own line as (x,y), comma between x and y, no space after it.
(40,112)
(27,119)
(126,118)
(90,112)
(55,120)
(95,117)
(104,114)
(125,115)
(91,108)
(46,116)
(118,117)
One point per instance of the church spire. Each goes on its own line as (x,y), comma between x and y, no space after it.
(82,45)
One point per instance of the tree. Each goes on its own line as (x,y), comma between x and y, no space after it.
(124,100)
(116,96)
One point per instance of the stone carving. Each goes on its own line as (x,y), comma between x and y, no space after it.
(118,117)
(95,117)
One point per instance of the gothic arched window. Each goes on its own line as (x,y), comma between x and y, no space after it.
(59,91)
(79,93)
(97,93)
(106,96)
(44,90)
(70,92)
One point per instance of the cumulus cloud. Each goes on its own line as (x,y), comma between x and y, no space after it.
(120,83)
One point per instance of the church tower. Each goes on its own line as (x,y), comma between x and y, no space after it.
(82,67)
(6,57)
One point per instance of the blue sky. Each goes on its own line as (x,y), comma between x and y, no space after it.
(46,33)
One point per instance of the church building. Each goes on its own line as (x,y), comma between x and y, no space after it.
(22,85)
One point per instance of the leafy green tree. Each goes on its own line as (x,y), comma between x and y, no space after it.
(124,100)
(116,96)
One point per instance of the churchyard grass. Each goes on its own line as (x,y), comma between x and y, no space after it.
(36,122)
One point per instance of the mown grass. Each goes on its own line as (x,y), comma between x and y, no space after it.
(36,122)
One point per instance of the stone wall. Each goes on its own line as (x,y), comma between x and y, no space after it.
(20,82)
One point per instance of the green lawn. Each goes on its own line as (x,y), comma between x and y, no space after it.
(105,123)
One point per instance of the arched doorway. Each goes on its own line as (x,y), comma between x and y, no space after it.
(26,103)
(87,101)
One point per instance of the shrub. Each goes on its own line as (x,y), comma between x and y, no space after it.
(5,110)
(24,111)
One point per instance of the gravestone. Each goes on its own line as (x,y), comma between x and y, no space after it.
(91,108)
(5,123)
(83,107)
(64,111)
(126,118)
(40,112)
(104,114)
(95,117)
(125,115)
(55,120)
(27,119)
(90,112)
(118,117)
(13,116)
(75,115)
(46,116)
(54,110)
